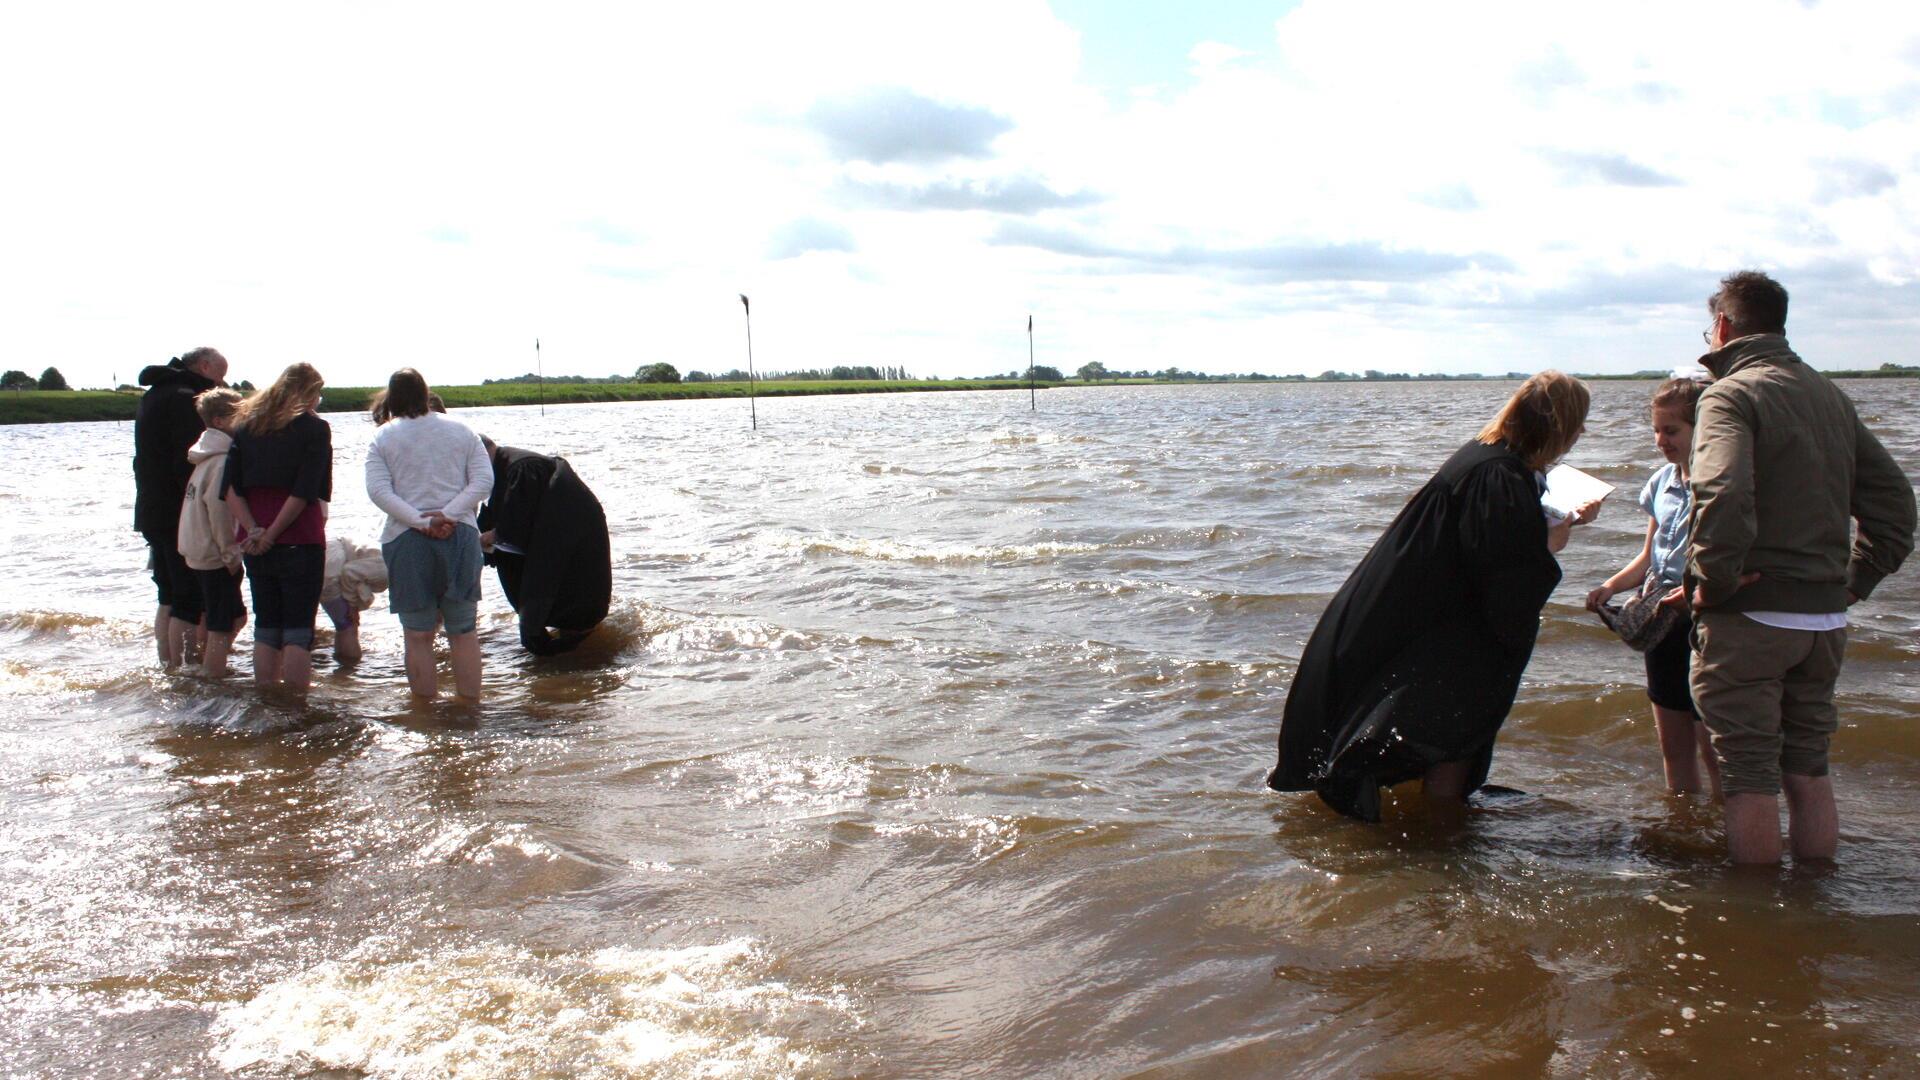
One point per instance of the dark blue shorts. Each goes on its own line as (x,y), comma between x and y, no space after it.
(1669,665)
(220,590)
(286,582)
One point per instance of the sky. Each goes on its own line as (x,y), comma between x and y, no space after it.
(1287,187)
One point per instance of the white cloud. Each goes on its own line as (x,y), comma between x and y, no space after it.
(369,185)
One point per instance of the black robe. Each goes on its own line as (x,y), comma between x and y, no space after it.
(1417,659)
(563,576)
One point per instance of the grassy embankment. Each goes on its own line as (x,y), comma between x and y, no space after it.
(60,406)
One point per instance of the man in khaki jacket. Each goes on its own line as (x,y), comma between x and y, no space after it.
(1782,471)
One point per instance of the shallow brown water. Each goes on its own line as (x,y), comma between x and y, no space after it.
(926,740)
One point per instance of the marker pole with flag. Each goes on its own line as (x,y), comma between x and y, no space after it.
(1033,398)
(541,369)
(753,405)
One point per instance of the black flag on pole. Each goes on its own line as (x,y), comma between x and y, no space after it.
(743,302)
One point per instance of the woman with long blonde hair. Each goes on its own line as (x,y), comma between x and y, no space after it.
(1417,660)
(279,478)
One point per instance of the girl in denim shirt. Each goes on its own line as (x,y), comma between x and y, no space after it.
(1684,743)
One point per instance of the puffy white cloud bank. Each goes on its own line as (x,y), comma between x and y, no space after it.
(1482,186)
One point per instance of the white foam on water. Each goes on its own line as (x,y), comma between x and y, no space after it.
(882,549)
(728,634)
(515,838)
(984,835)
(814,781)
(20,680)
(705,1010)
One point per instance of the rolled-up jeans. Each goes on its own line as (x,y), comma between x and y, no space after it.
(285,581)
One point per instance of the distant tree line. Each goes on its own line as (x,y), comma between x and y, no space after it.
(661,372)
(839,373)
(569,380)
(1094,371)
(50,379)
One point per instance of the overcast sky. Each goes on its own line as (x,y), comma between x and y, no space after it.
(1278,187)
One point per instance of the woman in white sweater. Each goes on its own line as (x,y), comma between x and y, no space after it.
(430,474)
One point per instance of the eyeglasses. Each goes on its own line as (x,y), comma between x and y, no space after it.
(1707,336)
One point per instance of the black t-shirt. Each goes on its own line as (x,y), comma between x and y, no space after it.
(297,459)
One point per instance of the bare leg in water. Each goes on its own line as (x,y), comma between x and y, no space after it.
(266,664)
(1445,790)
(422,676)
(346,631)
(161,618)
(466,665)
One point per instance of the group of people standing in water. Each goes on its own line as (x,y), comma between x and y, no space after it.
(227,484)
(1776,511)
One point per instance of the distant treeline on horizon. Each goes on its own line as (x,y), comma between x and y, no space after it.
(1092,372)
(1095,372)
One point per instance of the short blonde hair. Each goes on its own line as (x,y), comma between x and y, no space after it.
(216,404)
(1542,420)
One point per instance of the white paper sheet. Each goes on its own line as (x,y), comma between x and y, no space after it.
(1568,488)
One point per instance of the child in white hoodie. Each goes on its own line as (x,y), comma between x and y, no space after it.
(207,538)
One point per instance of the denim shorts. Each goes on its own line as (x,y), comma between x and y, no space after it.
(430,580)
(285,580)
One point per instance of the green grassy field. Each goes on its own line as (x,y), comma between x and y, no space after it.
(59,406)
(62,406)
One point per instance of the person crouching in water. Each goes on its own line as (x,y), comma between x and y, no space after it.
(546,536)
(1660,565)
(207,540)
(278,479)
(355,572)
(429,473)
(1416,661)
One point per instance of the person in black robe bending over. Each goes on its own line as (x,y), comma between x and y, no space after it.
(1417,659)
(546,535)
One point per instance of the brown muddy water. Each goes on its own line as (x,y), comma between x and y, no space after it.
(926,740)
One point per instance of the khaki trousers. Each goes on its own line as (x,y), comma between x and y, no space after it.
(1766,694)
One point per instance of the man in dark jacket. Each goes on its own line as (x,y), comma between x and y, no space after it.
(164,428)
(546,535)
(1798,512)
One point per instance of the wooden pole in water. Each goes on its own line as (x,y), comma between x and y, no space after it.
(1033,399)
(540,367)
(753,406)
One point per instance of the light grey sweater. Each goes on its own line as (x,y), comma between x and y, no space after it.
(421,464)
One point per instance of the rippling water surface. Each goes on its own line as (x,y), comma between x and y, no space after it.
(926,739)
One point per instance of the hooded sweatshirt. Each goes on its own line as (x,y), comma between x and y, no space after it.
(206,527)
(164,426)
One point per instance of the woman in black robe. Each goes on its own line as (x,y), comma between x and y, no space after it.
(547,539)
(1416,661)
